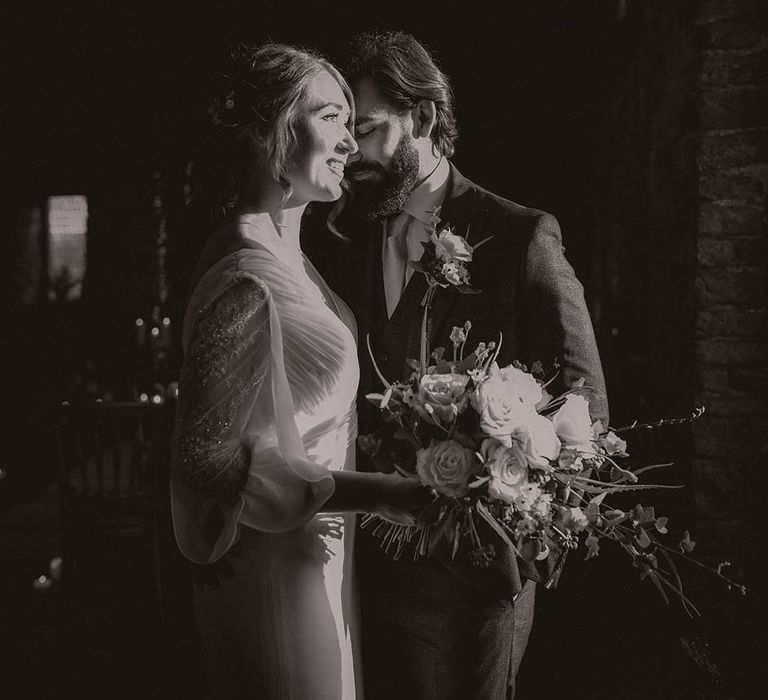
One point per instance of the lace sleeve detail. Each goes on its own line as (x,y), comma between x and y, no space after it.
(227,361)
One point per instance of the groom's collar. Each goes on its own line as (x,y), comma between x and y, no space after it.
(461,205)
(458,185)
(429,194)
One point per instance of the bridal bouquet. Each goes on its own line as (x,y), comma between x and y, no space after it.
(496,448)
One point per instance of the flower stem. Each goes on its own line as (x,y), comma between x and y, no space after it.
(425,328)
(696,414)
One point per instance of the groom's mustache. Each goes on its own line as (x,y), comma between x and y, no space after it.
(361,169)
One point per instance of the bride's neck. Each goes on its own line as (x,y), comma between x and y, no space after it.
(287,221)
(265,195)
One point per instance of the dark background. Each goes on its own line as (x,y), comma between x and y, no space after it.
(100,98)
(597,111)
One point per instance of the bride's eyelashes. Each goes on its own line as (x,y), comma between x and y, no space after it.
(335,118)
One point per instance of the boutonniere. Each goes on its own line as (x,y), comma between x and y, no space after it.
(447,257)
(445,263)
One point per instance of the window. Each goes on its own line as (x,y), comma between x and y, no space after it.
(67,228)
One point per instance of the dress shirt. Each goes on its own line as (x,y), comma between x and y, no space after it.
(405,232)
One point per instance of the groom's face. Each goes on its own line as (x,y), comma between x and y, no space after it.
(385,169)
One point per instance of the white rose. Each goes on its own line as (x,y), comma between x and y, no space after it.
(508,469)
(540,442)
(449,246)
(506,400)
(573,424)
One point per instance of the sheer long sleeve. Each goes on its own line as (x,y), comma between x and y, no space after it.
(239,459)
(226,363)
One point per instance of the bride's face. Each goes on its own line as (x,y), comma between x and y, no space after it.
(323,143)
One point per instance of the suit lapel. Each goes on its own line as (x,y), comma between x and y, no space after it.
(461,211)
(412,296)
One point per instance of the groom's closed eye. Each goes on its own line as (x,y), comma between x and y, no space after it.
(364,127)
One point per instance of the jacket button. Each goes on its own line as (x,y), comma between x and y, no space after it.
(383,357)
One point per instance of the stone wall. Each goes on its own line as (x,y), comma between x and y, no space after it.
(680,194)
(731,270)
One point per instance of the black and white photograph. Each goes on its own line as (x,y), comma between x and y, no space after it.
(384,351)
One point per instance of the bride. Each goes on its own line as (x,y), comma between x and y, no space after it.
(266,424)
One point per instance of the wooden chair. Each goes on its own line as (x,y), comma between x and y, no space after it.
(112,478)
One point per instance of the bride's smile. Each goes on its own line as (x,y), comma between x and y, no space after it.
(322,143)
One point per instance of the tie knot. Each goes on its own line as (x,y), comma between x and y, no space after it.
(397,224)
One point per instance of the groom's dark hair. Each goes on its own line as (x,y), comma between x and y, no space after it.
(405,73)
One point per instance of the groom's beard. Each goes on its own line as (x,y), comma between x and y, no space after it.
(386,192)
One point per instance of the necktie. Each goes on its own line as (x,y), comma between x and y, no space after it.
(395,259)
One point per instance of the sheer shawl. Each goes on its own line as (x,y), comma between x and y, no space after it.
(238,454)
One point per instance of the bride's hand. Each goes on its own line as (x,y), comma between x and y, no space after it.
(401,499)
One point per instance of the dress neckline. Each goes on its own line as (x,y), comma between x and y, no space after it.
(262,230)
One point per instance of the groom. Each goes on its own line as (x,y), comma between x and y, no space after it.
(441,629)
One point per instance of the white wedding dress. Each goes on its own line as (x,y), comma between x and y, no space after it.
(268,387)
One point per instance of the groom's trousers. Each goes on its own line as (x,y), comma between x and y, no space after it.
(427,635)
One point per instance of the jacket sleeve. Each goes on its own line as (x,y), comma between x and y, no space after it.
(555,316)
